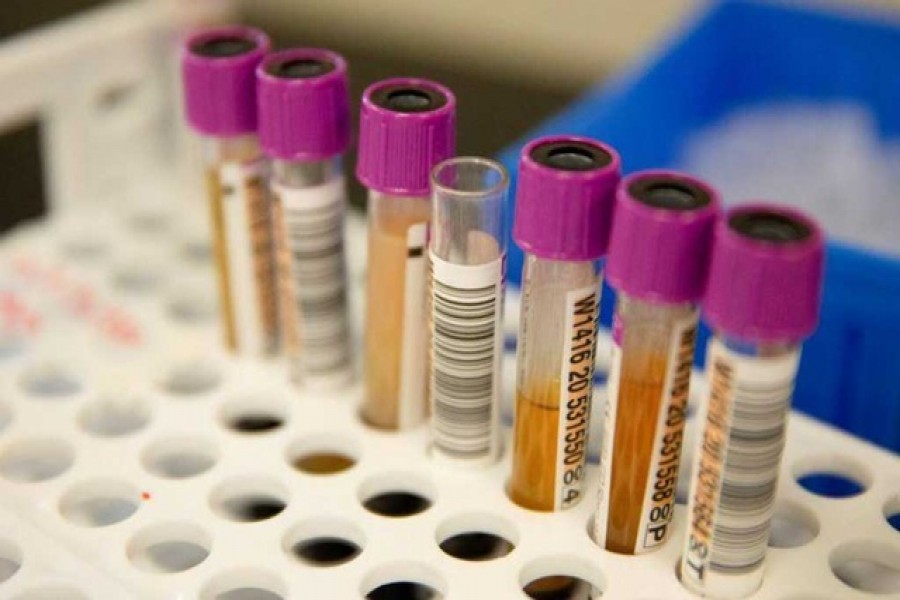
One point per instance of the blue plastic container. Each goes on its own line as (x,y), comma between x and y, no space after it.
(741,52)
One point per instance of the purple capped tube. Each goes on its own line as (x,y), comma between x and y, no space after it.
(304,129)
(564,203)
(407,126)
(218,73)
(658,259)
(762,301)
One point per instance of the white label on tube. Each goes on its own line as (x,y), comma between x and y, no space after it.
(736,471)
(576,383)
(312,281)
(411,409)
(467,345)
(662,476)
(248,239)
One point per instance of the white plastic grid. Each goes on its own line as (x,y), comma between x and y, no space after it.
(138,432)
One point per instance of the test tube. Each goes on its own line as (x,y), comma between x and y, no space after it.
(762,300)
(658,258)
(304,128)
(407,126)
(218,68)
(467,250)
(564,206)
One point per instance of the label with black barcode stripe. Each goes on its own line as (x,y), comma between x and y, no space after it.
(309,225)
(466,306)
(575,389)
(251,272)
(736,471)
(665,452)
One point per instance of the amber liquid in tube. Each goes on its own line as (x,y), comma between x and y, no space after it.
(542,337)
(388,253)
(648,333)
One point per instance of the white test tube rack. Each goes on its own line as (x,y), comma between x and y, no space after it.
(124,472)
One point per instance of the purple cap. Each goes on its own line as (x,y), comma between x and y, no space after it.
(765,278)
(304,111)
(661,236)
(565,197)
(217,68)
(406,127)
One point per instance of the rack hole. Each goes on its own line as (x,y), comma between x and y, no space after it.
(198,252)
(323,454)
(51,381)
(36,459)
(82,248)
(249,499)
(831,485)
(137,278)
(793,525)
(5,416)
(179,458)
(248,593)
(192,378)
(169,547)
(561,577)
(244,583)
(11,345)
(324,542)
(149,222)
(404,581)
(396,495)
(892,512)
(254,414)
(867,566)
(832,476)
(115,416)
(404,590)
(99,503)
(191,308)
(10,559)
(477,537)
(52,592)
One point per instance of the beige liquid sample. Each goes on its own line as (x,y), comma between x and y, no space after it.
(388,255)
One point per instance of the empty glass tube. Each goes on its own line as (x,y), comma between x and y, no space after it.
(658,258)
(563,212)
(304,126)
(407,126)
(467,256)
(220,94)
(762,300)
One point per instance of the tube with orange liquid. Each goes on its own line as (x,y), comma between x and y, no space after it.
(218,68)
(407,126)
(563,211)
(658,257)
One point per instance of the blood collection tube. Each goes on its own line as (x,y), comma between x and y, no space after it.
(304,127)
(658,258)
(762,300)
(218,68)
(564,207)
(407,126)
(467,250)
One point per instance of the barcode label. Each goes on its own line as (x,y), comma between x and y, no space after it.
(466,305)
(736,471)
(251,271)
(662,451)
(575,389)
(309,226)
(662,477)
